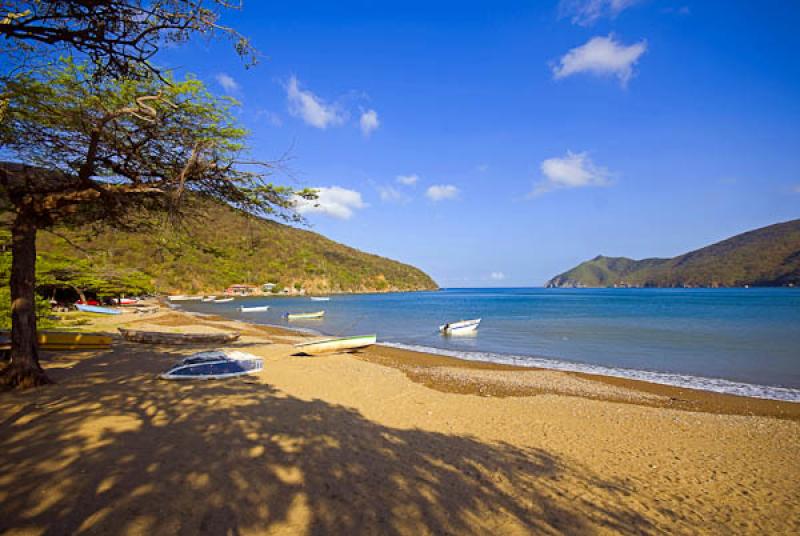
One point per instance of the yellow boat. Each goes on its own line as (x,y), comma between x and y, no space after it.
(62,340)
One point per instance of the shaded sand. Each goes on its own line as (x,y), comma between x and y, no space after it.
(355,445)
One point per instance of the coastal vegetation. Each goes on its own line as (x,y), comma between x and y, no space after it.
(769,256)
(110,138)
(217,245)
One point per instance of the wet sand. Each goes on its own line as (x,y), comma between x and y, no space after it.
(382,442)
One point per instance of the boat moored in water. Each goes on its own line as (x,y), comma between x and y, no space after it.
(304,316)
(222,300)
(460,328)
(340,344)
(320,298)
(255,309)
(215,365)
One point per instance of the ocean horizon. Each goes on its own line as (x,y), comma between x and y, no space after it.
(736,341)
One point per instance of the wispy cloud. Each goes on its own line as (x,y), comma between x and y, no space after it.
(272,118)
(603,56)
(369,122)
(408,180)
(333,201)
(441,192)
(573,170)
(587,12)
(311,108)
(796,189)
(389,194)
(227,82)
(497,276)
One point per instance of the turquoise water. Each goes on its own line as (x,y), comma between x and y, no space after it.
(743,341)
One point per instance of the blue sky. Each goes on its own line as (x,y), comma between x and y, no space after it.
(497,144)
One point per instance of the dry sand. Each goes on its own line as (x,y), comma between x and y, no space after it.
(382,442)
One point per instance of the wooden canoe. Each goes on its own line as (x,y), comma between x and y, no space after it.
(341,344)
(164,337)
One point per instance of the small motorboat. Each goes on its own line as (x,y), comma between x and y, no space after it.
(341,344)
(320,298)
(166,337)
(126,301)
(97,310)
(462,327)
(304,316)
(222,300)
(256,309)
(216,365)
(209,298)
(182,297)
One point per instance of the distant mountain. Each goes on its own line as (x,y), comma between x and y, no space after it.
(769,256)
(220,246)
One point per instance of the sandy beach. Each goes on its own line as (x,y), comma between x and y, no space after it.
(382,442)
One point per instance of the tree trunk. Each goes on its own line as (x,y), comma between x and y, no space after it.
(24,370)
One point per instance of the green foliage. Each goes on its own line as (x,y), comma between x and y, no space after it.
(42,310)
(218,246)
(769,256)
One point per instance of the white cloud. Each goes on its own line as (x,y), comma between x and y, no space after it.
(271,117)
(574,170)
(601,56)
(586,12)
(408,180)
(440,192)
(310,108)
(497,276)
(390,194)
(227,82)
(369,122)
(332,201)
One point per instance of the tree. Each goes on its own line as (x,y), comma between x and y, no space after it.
(119,37)
(113,150)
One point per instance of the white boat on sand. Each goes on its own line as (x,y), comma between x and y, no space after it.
(222,300)
(304,316)
(341,344)
(209,298)
(255,309)
(462,327)
(181,297)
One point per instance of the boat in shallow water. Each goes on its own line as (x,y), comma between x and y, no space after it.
(97,310)
(462,327)
(320,298)
(215,365)
(340,344)
(256,309)
(304,316)
(165,337)
(222,300)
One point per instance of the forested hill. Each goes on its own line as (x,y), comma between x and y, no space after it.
(769,256)
(220,246)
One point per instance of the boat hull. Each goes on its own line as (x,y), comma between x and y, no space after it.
(304,316)
(464,327)
(214,366)
(254,309)
(343,344)
(97,310)
(161,337)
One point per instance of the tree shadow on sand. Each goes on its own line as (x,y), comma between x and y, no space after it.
(105,452)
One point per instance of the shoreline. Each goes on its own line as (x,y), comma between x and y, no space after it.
(383,441)
(417,365)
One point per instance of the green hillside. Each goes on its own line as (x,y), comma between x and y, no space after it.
(218,246)
(769,256)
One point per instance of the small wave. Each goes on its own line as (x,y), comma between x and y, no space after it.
(716,385)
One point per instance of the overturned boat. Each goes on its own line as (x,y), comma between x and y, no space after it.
(165,337)
(340,344)
(461,327)
(215,365)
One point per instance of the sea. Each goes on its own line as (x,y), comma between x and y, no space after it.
(738,341)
